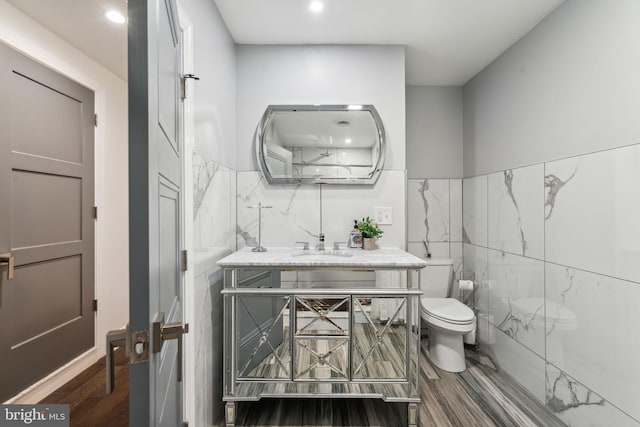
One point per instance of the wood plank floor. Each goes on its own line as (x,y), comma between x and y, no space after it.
(480,396)
(88,402)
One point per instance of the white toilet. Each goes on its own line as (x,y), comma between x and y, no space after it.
(447,319)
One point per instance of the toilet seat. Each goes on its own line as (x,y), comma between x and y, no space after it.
(448,310)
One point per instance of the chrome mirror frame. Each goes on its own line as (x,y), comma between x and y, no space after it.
(261,154)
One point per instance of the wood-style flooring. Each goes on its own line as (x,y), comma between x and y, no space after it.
(89,405)
(480,396)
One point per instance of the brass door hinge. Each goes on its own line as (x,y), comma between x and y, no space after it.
(95,213)
(94,305)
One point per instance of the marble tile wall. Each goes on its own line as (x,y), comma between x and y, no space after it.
(295,210)
(434,216)
(554,249)
(214,189)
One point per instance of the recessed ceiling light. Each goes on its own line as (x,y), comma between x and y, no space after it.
(115,16)
(354,107)
(347,141)
(316,6)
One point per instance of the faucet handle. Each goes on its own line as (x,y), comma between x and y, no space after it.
(336,245)
(305,245)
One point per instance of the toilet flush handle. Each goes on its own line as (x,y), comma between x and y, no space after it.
(7,259)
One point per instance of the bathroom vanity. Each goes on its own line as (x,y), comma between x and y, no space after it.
(321,324)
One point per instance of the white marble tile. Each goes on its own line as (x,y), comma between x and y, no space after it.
(578,406)
(592,212)
(474,215)
(295,215)
(436,249)
(428,210)
(591,321)
(516,211)
(516,360)
(516,298)
(455,210)
(476,268)
(214,210)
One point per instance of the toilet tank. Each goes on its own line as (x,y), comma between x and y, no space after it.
(436,277)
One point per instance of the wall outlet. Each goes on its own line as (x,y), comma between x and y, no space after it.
(383,215)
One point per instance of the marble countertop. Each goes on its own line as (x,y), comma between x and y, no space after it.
(296,259)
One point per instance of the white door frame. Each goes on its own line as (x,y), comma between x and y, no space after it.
(187,119)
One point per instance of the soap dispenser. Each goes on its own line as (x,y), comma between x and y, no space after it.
(355,237)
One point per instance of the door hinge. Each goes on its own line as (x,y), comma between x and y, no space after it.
(95,120)
(94,305)
(95,213)
(183,84)
(185,424)
(184,260)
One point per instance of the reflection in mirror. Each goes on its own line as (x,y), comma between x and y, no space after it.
(336,144)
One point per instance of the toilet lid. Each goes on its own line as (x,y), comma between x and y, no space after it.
(448,310)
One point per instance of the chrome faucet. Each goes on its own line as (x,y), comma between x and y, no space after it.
(320,245)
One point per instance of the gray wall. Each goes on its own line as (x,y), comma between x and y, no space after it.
(568,87)
(215,95)
(434,131)
(324,74)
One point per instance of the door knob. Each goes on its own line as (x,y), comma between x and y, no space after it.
(168,331)
(7,259)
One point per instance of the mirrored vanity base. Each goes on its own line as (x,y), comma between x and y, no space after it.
(299,342)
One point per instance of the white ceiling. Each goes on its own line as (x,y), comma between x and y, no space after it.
(82,24)
(447,41)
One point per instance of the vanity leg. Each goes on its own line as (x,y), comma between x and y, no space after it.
(412,415)
(230,414)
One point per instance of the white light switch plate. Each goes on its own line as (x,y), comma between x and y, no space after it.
(383,215)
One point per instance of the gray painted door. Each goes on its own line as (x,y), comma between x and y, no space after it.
(155,181)
(46,221)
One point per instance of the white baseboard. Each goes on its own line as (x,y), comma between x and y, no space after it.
(56,379)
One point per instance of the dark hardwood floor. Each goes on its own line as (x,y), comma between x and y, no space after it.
(480,396)
(88,402)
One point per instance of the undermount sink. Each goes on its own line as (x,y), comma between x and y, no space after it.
(325,253)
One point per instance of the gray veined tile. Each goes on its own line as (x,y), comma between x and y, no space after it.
(589,319)
(516,360)
(515,211)
(579,406)
(476,268)
(203,172)
(428,214)
(295,212)
(592,205)
(516,296)
(474,214)
(213,226)
(455,210)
